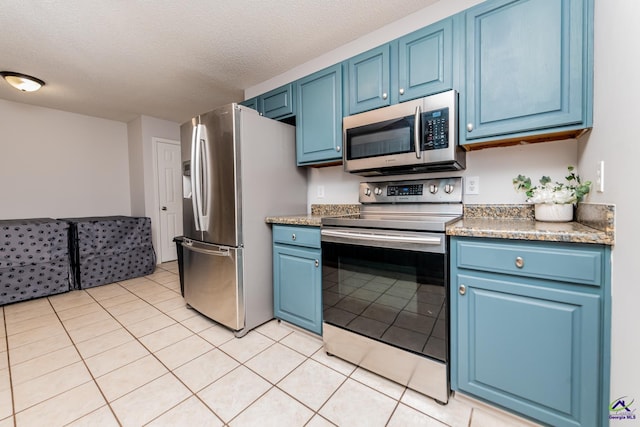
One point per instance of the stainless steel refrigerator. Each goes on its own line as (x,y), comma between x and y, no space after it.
(238,168)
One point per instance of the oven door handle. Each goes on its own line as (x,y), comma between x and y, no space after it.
(425,240)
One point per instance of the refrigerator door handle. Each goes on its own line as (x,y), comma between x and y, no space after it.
(221,252)
(205,192)
(195,175)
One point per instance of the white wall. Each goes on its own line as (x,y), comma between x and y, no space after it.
(494,167)
(141,132)
(58,164)
(616,94)
(136,169)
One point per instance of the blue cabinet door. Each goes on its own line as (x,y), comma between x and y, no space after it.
(278,103)
(369,79)
(298,286)
(251,103)
(425,61)
(527,68)
(319,117)
(532,349)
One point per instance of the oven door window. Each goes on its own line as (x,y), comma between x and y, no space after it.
(394,296)
(380,139)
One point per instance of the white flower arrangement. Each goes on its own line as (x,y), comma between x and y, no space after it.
(573,191)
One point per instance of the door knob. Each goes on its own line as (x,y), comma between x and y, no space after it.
(164,208)
(462,289)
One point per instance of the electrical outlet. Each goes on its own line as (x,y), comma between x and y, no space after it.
(320,192)
(600,177)
(472,185)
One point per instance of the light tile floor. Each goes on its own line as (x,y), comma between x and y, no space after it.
(132,354)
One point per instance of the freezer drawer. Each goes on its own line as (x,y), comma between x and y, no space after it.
(213,282)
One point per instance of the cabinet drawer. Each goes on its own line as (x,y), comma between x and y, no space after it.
(564,262)
(300,236)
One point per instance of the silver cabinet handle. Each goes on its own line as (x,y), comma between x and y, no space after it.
(317,263)
(293,236)
(338,148)
(462,289)
(519,262)
(469,127)
(401,91)
(384,95)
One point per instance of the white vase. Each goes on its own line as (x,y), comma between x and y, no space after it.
(553,212)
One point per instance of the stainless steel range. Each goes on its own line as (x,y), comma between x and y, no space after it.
(385,282)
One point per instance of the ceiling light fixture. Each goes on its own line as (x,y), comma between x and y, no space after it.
(22,81)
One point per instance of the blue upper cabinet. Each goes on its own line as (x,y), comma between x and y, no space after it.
(425,61)
(319,117)
(528,69)
(251,103)
(369,79)
(413,66)
(278,103)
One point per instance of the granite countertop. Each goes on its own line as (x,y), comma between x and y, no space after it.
(594,224)
(303,219)
(315,217)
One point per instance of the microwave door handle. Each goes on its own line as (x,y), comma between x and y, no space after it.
(417,132)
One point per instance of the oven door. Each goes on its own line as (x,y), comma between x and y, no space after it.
(389,286)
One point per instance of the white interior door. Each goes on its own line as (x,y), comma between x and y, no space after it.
(169,197)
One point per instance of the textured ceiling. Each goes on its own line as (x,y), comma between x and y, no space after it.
(171,59)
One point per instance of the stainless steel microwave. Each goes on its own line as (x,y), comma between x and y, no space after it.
(410,137)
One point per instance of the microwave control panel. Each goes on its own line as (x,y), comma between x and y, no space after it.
(435,129)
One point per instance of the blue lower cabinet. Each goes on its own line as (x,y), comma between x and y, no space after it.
(530,345)
(297,277)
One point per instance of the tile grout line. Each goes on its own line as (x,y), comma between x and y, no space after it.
(272,385)
(6,339)
(145,347)
(84,362)
(74,344)
(193,394)
(79,354)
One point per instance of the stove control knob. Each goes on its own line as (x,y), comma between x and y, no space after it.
(378,191)
(448,188)
(433,189)
(367,191)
